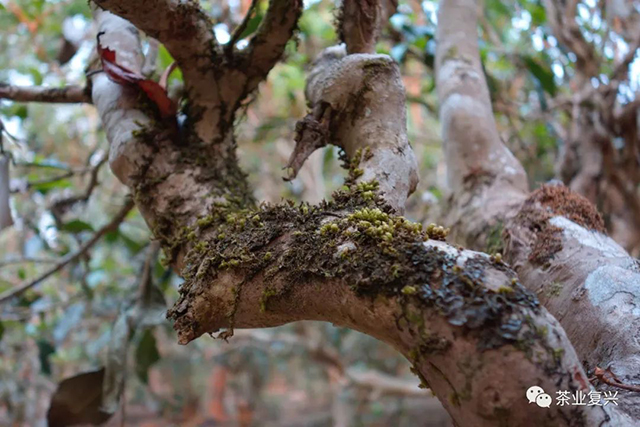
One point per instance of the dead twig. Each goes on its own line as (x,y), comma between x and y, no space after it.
(606,376)
(71,257)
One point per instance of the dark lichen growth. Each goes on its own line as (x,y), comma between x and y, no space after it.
(300,243)
(547,202)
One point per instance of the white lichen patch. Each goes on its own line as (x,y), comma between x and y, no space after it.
(614,290)
(344,248)
(604,244)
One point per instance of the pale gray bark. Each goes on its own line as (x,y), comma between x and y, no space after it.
(551,237)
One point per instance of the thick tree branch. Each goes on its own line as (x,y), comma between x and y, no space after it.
(459,316)
(553,238)
(186,31)
(361,23)
(63,95)
(428,321)
(267,46)
(478,164)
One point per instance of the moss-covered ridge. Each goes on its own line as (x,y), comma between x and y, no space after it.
(357,240)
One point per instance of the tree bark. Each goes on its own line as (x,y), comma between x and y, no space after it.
(553,238)
(472,330)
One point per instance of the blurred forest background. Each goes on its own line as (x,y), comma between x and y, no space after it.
(80,287)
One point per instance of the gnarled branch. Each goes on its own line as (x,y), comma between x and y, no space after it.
(552,237)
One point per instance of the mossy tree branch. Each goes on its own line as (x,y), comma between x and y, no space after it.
(459,316)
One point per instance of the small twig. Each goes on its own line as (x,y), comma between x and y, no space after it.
(71,257)
(65,95)
(601,374)
(30,184)
(61,205)
(240,29)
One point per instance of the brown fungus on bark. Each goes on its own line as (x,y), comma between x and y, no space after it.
(550,201)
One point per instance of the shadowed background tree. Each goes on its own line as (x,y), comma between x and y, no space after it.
(84,284)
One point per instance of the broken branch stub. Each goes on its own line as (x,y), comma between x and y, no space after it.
(358,104)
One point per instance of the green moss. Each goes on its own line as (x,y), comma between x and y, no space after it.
(494,242)
(266,295)
(553,290)
(409,290)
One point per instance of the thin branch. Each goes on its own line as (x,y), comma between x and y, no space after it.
(267,47)
(71,257)
(240,29)
(601,374)
(63,204)
(62,95)
(29,184)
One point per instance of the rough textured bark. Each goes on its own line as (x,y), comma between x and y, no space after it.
(459,316)
(590,161)
(472,330)
(68,94)
(553,238)
(362,21)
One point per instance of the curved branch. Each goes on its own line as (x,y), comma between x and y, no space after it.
(63,95)
(553,238)
(71,257)
(266,47)
(479,166)
(458,316)
(186,31)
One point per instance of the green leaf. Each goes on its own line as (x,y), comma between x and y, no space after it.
(252,25)
(45,350)
(146,355)
(36,75)
(18,110)
(44,188)
(76,226)
(1,330)
(542,73)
